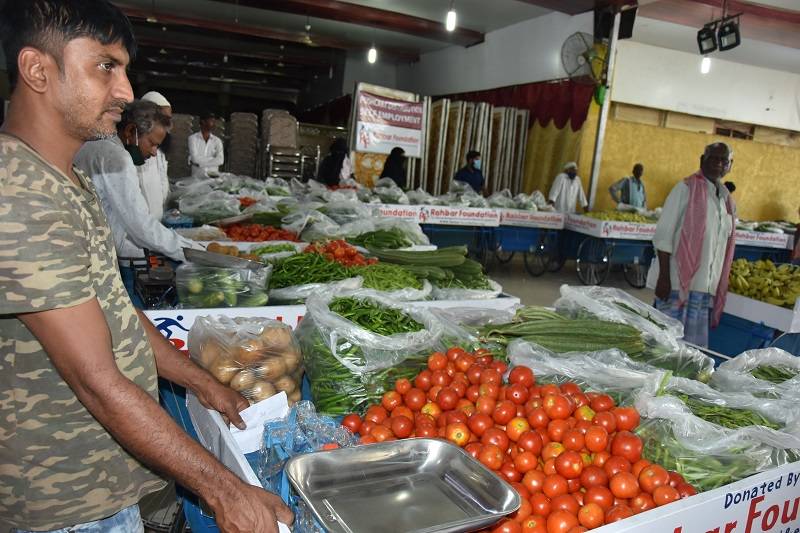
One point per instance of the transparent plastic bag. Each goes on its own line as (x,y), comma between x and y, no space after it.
(299,293)
(391,195)
(261,250)
(277,187)
(209,287)
(203,233)
(420,197)
(211,206)
(190,187)
(350,367)
(311,225)
(615,305)
(411,230)
(365,195)
(343,212)
(440,293)
(257,357)
(737,374)
(459,187)
(410,294)
(502,199)
(476,316)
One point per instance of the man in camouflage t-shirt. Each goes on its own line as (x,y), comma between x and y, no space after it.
(79,417)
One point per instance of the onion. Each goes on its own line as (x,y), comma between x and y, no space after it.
(261,390)
(271,368)
(224,368)
(243,380)
(285,383)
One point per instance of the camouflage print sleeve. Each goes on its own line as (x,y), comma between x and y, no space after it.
(44,258)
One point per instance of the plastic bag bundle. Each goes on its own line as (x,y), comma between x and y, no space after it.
(389,193)
(365,196)
(266,254)
(342,195)
(343,212)
(210,287)
(706,453)
(349,366)
(608,371)
(299,293)
(502,199)
(277,187)
(420,196)
(211,206)
(203,233)
(766,373)
(311,225)
(190,187)
(410,230)
(459,187)
(257,357)
(455,293)
(475,317)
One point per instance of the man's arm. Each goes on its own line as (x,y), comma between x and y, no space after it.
(555,188)
(78,343)
(176,367)
(218,158)
(666,235)
(197,154)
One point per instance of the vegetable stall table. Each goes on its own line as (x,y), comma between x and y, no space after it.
(533,233)
(470,226)
(755,245)
(597,244)
(748,324)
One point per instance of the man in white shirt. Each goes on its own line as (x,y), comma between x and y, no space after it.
(694,241)
(206,153)
(567,189)
(111,164)
(153,178)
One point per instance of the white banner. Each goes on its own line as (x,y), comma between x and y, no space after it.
(385,123)
(531,219)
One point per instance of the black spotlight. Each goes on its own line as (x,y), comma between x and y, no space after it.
(729,35)
(707,38)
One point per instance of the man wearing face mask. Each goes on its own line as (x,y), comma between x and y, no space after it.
(111,164)
(471,173)
(567,189)
(694,240)
(153,179)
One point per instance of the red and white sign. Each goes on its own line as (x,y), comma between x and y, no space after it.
(608,229)
(385,123)
(531,219)
(764,239)
(460,216)
(401,212)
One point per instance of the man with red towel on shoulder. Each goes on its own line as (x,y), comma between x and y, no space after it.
(694,241)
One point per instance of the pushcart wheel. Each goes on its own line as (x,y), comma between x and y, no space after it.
(556,262)
(536,262)
(594,261)
(635,274)
(502,256)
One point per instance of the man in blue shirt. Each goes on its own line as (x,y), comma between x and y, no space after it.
(471,173)
(630,190)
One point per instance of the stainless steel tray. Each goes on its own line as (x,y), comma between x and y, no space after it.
(213,259)
(412,485)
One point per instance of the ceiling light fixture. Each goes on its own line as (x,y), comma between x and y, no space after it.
(705,65)
(372,55)
(450,21)
(707,38)
(729,35)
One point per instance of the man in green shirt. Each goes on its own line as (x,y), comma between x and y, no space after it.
(81,431)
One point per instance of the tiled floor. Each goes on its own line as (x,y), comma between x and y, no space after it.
(544,290)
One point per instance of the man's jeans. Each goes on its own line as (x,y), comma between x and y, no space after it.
(126,521)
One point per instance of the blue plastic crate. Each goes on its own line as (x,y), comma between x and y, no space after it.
(735,335)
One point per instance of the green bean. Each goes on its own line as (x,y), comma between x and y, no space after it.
(773,374)
(728,417)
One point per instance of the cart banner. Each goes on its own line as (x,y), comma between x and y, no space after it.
(459,216)
(609,229)
(411,213)
(764,239)
(765,503)
(385,123)
(531,219)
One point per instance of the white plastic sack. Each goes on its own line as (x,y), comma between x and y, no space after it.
(207,207)
(299,293)
(440,293)
(502,199)
(736,374)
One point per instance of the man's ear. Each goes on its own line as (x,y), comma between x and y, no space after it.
(128,133)
(35,68)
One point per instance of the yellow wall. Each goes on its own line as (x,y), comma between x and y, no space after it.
(767,176)
(547,151)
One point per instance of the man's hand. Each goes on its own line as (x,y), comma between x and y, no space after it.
(249,509)
(214,395)
(663,286)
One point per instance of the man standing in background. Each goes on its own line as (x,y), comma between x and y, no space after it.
(630,190)
(153,178)
(206,152)
(567,189)
(471,173)
(694,241)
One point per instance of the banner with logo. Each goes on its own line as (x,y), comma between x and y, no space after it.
(384,123)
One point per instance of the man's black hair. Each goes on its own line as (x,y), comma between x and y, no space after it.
(472,154)
(48,25)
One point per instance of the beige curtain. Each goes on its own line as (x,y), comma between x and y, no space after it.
(548,149)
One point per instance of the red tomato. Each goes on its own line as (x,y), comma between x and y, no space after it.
(490,375)
(642,502)
(556,429)
(474,374)
(500,366)
(415,398)
(627,445)
(554,485)
(491,456)
(376,414)
(675,479)
(464,361)
(437,361)
(600,458)
(466,406)
(685,490)
(530,441)
(557,406)
(627,418)
(381,433)
(517,393)
(591,515)
(565,502)
(510,473)
(525,508)
(473,393)
(423,380)
(507,526)
(460,387)
(391,400)
(504,412)
(537,418)
(367,439)
(561,522)
(479,423)
(606,420)
(485,405)
(521,375)
(599,495)
(402,386)
(596,439)
(497,437)
(601,403)
(638,466)
(570,388)
(473,449)
(580,400)
(584,412)
(441,378)
(533,481)
(624,485)
(541,504)
(534,524)
(593,476)
(457,433)
(573,440)
(492,390)
(431,409)
(426,431)
(664,495)
(433,392)
(617,513)
(525,462)
(551,450)
(352,422)
(569,464)
(402,426)
(447,399)
(549,467)
(516,427)
(615,465)
(652,477)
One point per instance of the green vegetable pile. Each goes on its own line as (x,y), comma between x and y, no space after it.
(773,374)
(383,239)
(728,417)
(446,267)
(386,277)
(208,287)
(273,249)
(335,388)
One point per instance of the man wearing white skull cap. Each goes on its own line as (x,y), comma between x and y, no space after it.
(153,179)
(567,189)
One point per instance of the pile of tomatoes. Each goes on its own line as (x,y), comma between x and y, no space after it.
(570,455)
(258,233)
(341,252)
(246,201)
